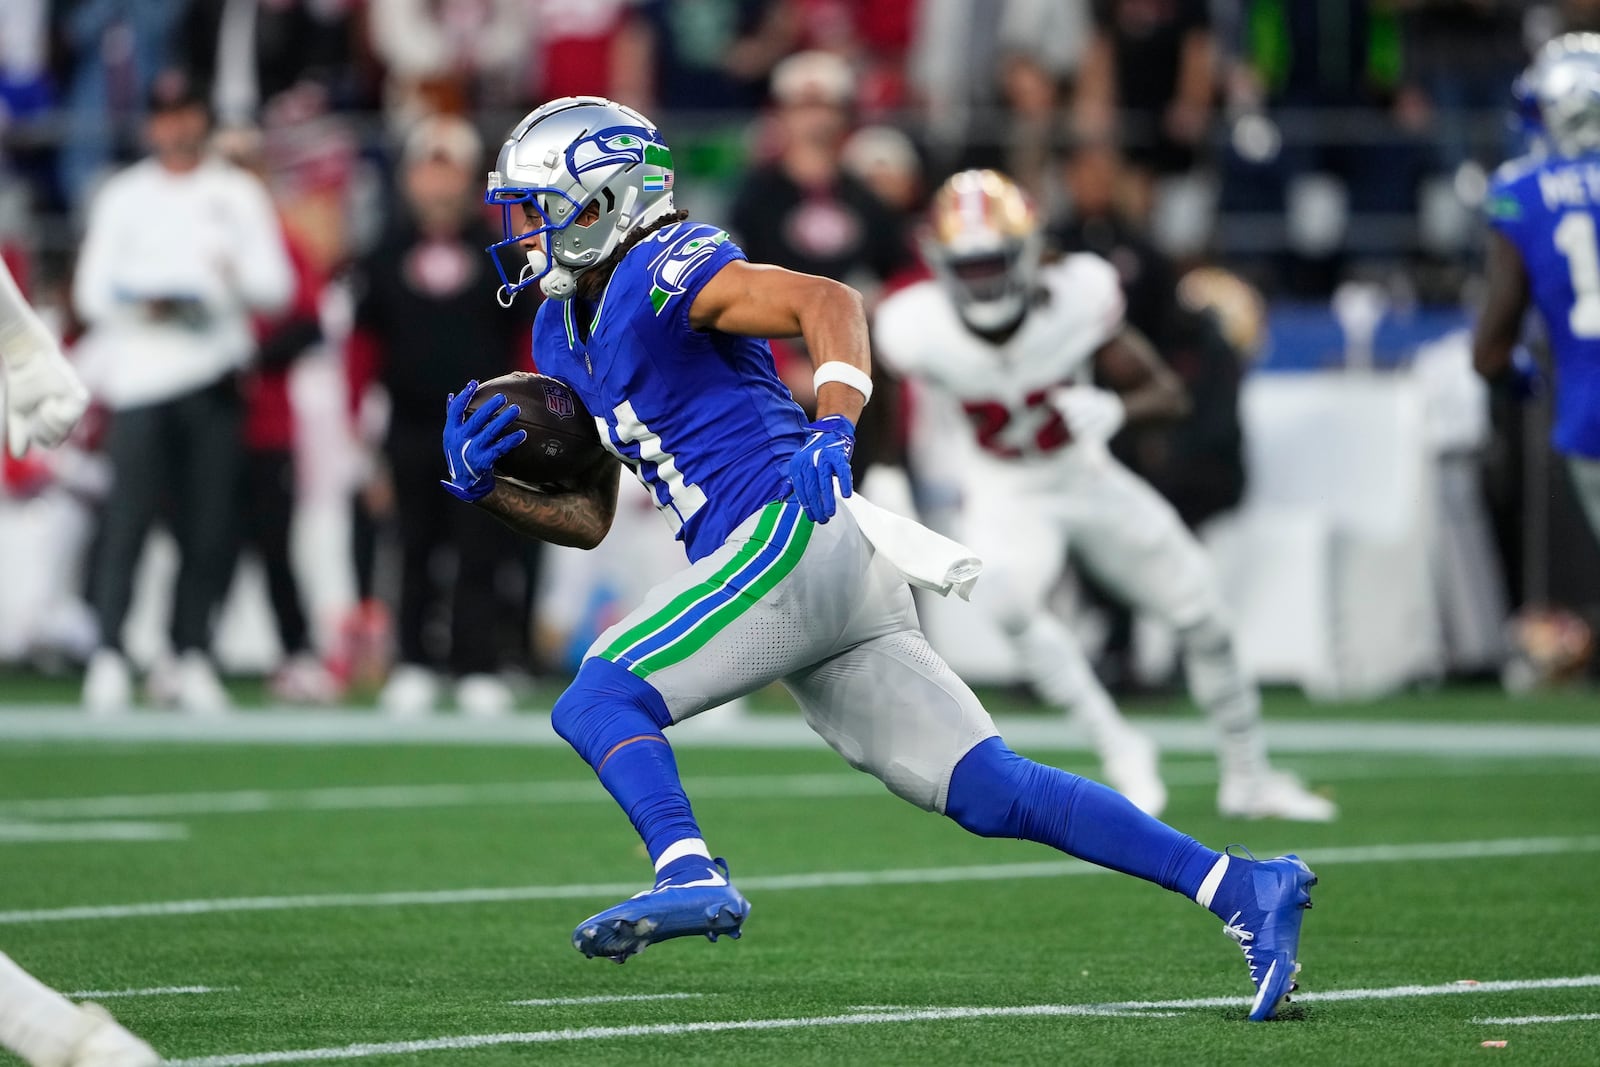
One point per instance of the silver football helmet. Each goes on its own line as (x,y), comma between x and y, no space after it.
(561,158)
(1560,94)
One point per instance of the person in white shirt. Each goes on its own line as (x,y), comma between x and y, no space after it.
(181,249)
(44,399)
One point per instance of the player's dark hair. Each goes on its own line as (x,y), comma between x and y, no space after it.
(592,282)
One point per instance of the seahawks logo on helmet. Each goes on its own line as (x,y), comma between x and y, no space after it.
(673,265)
(617,146)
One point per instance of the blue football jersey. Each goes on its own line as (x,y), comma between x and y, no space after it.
(1549,208)
(700,416)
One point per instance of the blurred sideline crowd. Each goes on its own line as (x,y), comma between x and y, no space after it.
(257,223)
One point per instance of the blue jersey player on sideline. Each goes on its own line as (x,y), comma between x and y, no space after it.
(1544,250)
(660,325)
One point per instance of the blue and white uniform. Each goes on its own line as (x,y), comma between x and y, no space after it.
(769,595)
(700,417)
(1549,209)
(703,420)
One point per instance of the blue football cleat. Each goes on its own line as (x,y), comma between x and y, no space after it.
(1266,924)
(695,898)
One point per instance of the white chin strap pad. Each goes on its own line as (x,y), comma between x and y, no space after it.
(559,284)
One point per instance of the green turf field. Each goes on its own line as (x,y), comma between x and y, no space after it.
(325,897)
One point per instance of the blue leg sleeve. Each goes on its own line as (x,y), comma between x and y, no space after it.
(996,793)
(614,719)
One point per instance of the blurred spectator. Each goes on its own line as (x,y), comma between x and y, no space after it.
(803,210)
(1196,462)
(884,160)
(877,34)
(1098,223)
(267,491)
(952,70)
(596,48)
(113,50)
(1042,45)
(715,55)
(1150,72)
(248,51)
(1342,138)
(447,55)
(1464,54)
(181,249)
(425,323)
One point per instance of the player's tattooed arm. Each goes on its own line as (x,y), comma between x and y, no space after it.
(1505,302)
(1130,367)
(578,518)
(759,300)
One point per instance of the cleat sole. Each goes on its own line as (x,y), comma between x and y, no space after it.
(624,938)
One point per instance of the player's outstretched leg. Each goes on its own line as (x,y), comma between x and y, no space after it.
(1250,787)
(996,793)
(614,721)
(1060,673)
(893,708)
(48,1030)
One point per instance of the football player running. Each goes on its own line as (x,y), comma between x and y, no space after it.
(660,326)
(1020,345)
(1543,251)
(43,402)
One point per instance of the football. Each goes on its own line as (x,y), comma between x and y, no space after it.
(562,440)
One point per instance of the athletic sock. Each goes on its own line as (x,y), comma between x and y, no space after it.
(36,1022)
(1061,675)
(997,793)
(1219,684)
(613,719)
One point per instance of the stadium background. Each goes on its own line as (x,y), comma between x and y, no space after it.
(286,885)
(1379,523)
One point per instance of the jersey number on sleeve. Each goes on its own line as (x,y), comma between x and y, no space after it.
(1575,237)
(683,498)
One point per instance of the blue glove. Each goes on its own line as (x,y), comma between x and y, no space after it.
(474,443)
(824,458)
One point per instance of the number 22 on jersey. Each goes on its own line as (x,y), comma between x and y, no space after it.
(1035,427)
(1575,238)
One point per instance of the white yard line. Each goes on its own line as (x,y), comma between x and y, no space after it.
(1442,989)
(31,833)
(381,797)
(615,998)
(999,872)
(1529,1020)
(734,787)
(154,991)
(870,1018)
(324,727)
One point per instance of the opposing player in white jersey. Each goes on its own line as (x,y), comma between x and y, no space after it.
(43,401)
(1020,345)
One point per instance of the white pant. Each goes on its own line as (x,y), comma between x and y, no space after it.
(817,608)
(1023,523)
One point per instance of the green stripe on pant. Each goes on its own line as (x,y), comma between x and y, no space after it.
(745,598)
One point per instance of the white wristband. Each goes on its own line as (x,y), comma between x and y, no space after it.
(837,371)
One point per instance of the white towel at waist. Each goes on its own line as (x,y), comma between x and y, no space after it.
(923,558)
